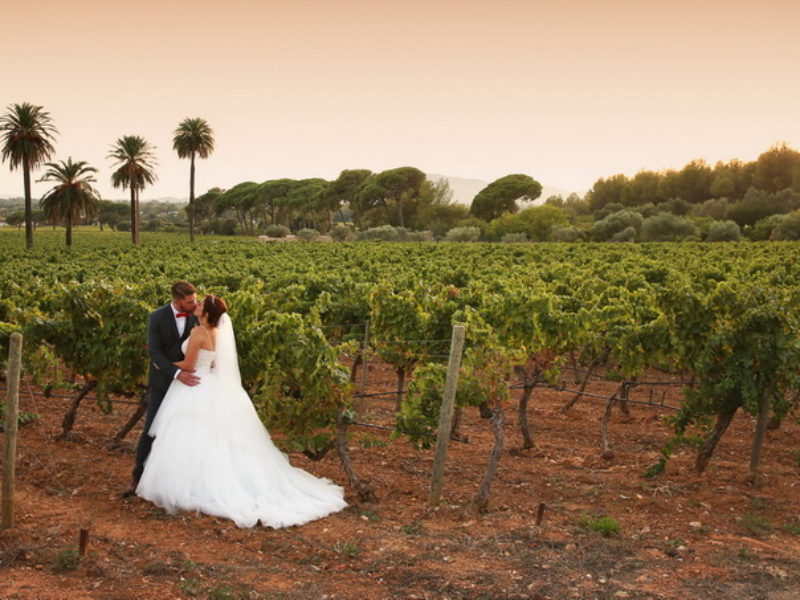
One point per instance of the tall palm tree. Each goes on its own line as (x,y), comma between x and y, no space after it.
(27,138)
(135,160)
(73,197)
(193,136)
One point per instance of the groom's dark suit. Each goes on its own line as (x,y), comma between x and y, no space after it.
(164,347)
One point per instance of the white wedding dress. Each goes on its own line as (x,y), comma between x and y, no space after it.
(212,454)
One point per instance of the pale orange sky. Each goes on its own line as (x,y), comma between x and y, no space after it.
(565,92)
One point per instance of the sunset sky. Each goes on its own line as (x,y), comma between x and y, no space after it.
(565,92)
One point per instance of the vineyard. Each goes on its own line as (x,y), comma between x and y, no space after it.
(344,348)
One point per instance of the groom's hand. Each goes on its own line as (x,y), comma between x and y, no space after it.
(188,378)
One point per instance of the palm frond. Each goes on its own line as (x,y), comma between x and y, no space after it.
(193,135)
(72,198)
(135,160)
(26,134)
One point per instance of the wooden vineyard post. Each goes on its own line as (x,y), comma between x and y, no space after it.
(758,438)
(83,540)
(446,414)
(11,426)
(364,366)
(361,404)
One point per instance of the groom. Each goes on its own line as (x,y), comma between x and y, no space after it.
(167,328)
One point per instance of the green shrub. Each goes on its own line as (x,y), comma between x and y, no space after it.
(647,210)
(388,233)
(605,526)
(788,228)
(222,226)
(514,238)
(341,233)
(666,227)
(565,234)
(463,234)
(676,206)
(419,236)
(608,209)
(763,228)
(614,223)
(724,231)
(66,560)
(626,235)
(276,231)
(716,208)
(702,225)
(307,235)
(472,222)
(23,418)
(441,218)
(759,204)
(384,233)
(536,223)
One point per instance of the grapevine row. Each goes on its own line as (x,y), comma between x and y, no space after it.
(726,317)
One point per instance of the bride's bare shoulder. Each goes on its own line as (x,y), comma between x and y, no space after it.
(203,335)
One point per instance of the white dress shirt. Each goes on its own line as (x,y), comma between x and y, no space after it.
(180,322)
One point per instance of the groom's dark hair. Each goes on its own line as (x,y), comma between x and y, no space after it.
(181,289)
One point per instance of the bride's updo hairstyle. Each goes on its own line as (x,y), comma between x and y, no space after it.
(214,307)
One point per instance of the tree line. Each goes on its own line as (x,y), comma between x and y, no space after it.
(758,199)
(358,200)
(773,171)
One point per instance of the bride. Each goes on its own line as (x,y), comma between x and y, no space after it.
(211,453)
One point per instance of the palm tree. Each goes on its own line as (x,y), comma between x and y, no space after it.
(73,197)
(27,136)
(193,136)
(135,159)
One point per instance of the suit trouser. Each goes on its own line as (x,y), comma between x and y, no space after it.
(155,394)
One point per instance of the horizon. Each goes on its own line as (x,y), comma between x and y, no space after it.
(566,94)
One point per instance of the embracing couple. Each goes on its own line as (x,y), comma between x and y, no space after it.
(203,447)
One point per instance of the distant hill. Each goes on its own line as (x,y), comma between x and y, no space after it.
(170,199)
(464,190)
(12,199)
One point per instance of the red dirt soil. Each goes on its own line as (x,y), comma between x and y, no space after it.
(682,535)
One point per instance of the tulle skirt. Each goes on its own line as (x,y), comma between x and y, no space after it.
(212,454)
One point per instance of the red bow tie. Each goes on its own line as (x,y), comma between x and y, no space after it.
(179,315)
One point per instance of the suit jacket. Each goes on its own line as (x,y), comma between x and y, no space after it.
(164,346)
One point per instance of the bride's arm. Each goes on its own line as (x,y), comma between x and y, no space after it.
(192,350)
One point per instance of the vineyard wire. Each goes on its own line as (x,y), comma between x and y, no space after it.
(682,383)
(401,393)
(65,396)
(431,355)
(345,326)
(35,404)
(599,377)
(406,431)
(372,354)
(379,341)
(375,394)
(589,395)
(33,393)
(592,375)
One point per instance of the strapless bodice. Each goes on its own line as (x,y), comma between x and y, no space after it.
(205,358)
